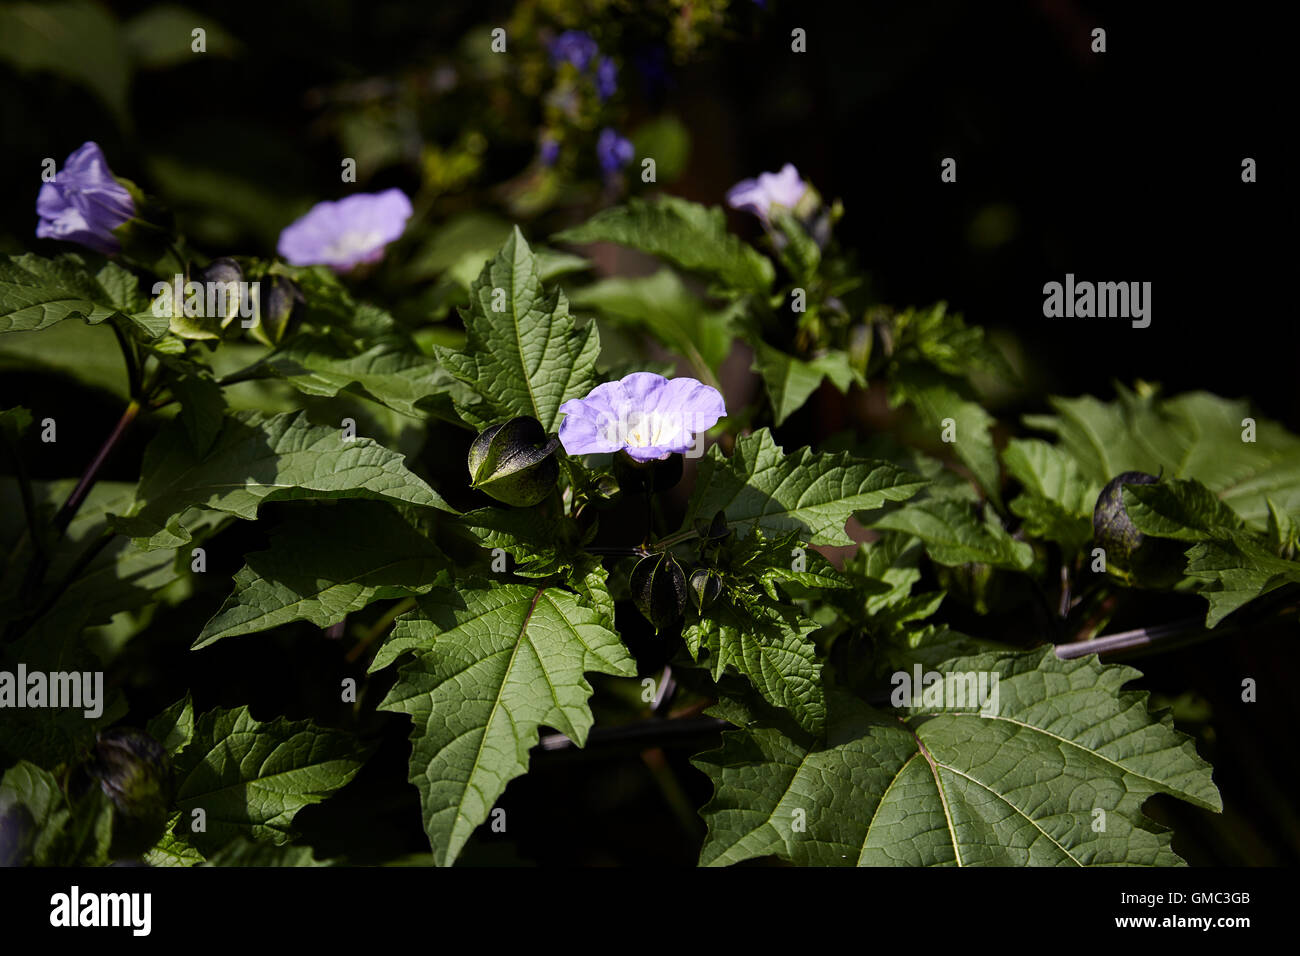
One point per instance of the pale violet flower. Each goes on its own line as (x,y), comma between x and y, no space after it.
(769,189)
(644,414)
(346,233)
(85,203)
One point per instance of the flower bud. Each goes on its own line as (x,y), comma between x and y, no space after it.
(659,589)
(134,772)
(706,585)
(514,462)
(1128,551)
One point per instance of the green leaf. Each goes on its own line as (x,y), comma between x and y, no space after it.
(160,37)
(62,832)
(118,578)
(172,850)
(27,785)
(257,459)
(174,727)
(1232,573)
(1283,531)
(1229,564)
(938,404)
(401,379)
(1195,435)
(251,778)
(14,423)
(884,571)
(527,359)
(662,306)
(932,786)
(942,340)
(800,253)
(953,535)
(781,561)
(88,354)
(762,487)
(323,564)
(767,643)
(1058,498)
(791,380)
(694,237)
(539,543)
(75,39)
(244,852)
(667,139)
(36,293)
(1184,510)
(493,662)
(203,404)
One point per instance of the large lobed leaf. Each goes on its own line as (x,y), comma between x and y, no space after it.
(760,486)
(1229,564)
(527,359)
(324,564)
(256,459)
(953,535)
(251,778)
(1195,435)
(925,786)
(1058,498)
(402,379)
(767,643)
(664,307)
(695,237)
(493,662)
(940,405)
(790,380)
(36,293)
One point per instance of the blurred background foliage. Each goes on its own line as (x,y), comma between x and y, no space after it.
(1122,166)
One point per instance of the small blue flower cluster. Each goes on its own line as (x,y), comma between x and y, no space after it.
(576,47)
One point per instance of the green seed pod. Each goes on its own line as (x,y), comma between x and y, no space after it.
(514,462)
(1129,552)
(135,772)
(706,585)
(659,589)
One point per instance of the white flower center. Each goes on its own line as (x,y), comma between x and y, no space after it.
(352,243)
(644,430)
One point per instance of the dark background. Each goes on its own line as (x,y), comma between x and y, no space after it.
(1122,166)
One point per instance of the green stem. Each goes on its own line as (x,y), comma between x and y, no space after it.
(132,359)
(673,539)
(379,627)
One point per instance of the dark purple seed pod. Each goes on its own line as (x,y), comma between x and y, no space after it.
(659,589)
(514,462)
